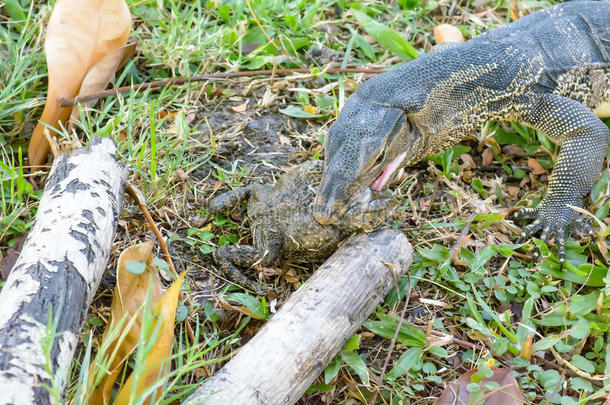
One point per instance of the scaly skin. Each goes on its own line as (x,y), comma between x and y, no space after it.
(283,227)
(549,70)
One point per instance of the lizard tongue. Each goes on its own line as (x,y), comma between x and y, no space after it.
(391,167)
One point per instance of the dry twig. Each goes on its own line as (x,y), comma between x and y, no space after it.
(136,194)
(65,102)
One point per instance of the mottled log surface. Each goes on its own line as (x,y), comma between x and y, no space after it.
(58,272)
(294,347)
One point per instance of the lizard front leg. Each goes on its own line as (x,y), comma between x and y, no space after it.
(230,256)
(584,139)
(229,199)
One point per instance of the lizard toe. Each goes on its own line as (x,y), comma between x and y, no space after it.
(560,238)
(546,234)
(552,219)
(531,229)
(525,213)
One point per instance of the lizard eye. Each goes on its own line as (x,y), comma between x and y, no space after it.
(379,159)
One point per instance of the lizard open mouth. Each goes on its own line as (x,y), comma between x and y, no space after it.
(387,172)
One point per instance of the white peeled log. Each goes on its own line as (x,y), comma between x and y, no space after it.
(58,271)
(292,349)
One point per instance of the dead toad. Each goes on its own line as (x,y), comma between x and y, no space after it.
(283,227)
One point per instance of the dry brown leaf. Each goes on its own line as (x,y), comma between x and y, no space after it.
(249,47)
(79,34)
(102,73)
(508,392)
(468,161)
(537,169)
(8,262)
(157,362)
(488,157)
(291,276)
(268,98)
(514,150)
(239,108)
(284,140)
(182,175)
(513,191)
(129,296)
(447,33)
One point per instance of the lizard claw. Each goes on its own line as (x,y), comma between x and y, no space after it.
(584,227)
(553,218)
(561,247)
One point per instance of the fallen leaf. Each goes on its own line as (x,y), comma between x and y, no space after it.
(102,73)
(190,117)
(297,112)
(513,191)
(8,262)
(268,98)
(447,33)
(239,108)
(157,362)
(120,338)
(466,176)
(526,349)
(200,372)
(443,340)
(79,34)
(508,392)
(488,157)
(165,113)
(537,169)
(310,109)
(249,47)
(468,161)
(284,140)
(291,277)
(514,150)
(514,10)
(182,175)
(493,143)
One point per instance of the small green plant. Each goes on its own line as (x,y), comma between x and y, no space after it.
(350,358)
(448,159)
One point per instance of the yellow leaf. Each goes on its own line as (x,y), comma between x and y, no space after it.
(526,349)
(121,339)
(79,34)
(102,73)
(310,109)
(156,364)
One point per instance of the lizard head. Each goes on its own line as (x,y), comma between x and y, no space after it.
(367,143)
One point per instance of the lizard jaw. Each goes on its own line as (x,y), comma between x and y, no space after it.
(390,168)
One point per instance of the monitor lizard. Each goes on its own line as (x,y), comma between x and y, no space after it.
(549,70)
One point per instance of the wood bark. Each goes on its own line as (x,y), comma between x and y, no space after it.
(292,349)
(46,296)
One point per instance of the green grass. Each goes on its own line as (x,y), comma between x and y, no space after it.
(487,293)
